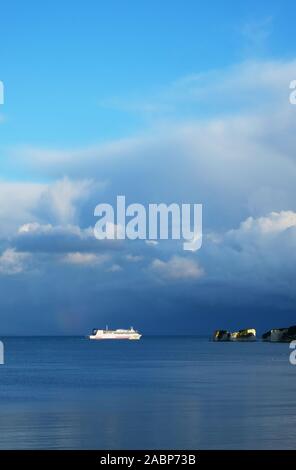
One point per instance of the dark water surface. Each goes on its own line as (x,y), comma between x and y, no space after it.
(160,392)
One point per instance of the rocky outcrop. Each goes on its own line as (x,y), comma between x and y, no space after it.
(280,335)
(221,335)
(248,334)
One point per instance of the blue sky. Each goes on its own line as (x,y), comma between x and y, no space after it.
(61,61)
(160,101)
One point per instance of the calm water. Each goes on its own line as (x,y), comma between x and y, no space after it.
(181,393)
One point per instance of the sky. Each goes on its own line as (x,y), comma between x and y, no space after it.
(170,101)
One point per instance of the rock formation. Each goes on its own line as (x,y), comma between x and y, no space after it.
(248,334)
(278,335)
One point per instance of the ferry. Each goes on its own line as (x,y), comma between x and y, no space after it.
(130,334)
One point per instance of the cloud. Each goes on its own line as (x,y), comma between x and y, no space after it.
(151,242)
(18,202)
(61,201)
(46,238)
(176,268)
(233,151)
(243,86)
(239,161)
(89,259)
(115,268)
(273,223)
(133,258)
(37,228)
(44,159)
(12,262)
(259,254)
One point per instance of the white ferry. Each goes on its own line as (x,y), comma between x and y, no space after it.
(115,334)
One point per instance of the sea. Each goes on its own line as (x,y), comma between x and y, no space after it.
(157,393)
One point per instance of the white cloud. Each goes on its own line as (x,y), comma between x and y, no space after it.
(271,224)
(250,82)
(62,198)
(237,162)
(17,203)
(59,203)
(90,259)
(12,262)
(45,158)
(177,268)
(133,258)
(114,268)
(45,229)
(261,252)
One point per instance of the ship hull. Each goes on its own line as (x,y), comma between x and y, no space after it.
(106,337)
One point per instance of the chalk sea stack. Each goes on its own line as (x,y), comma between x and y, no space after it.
(221,335)
(248,334)
(280,335)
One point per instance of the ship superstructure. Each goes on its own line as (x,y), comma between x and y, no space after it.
(130,334)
